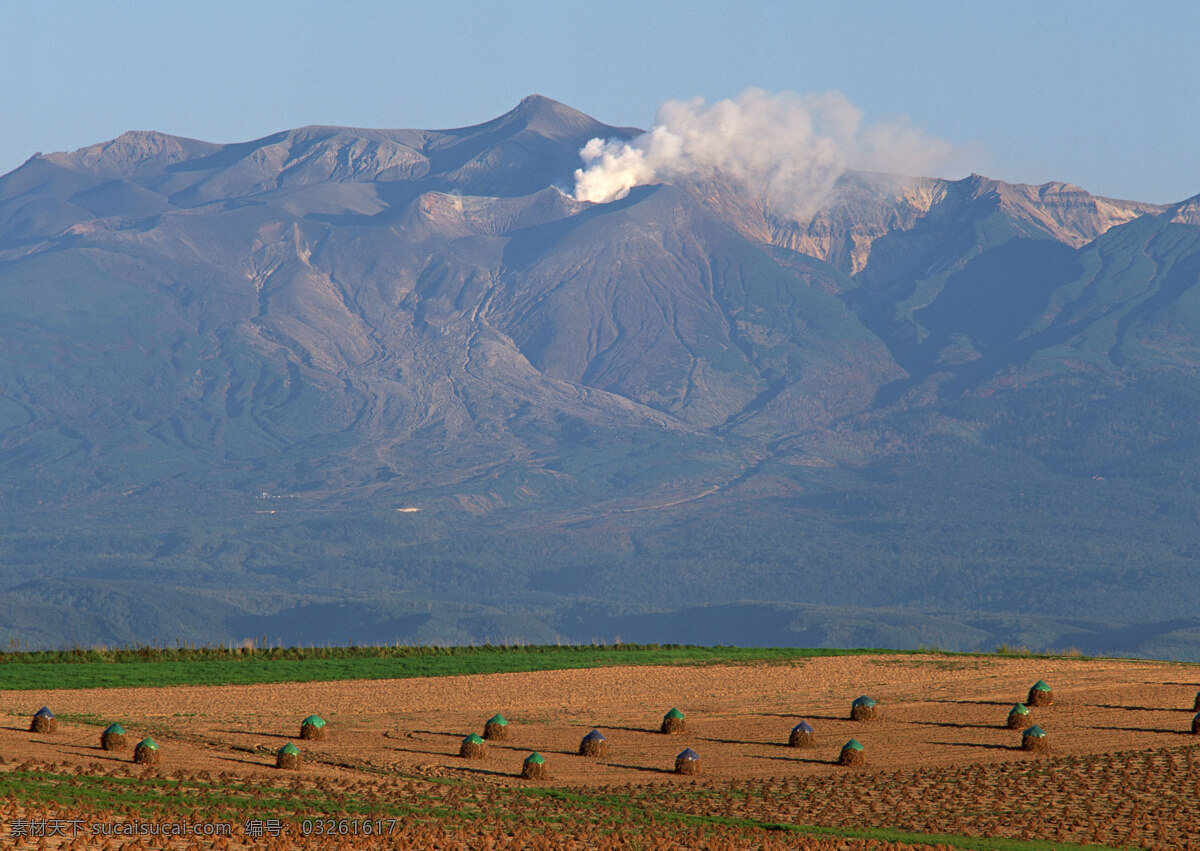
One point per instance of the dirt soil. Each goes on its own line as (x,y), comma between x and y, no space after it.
(936,712)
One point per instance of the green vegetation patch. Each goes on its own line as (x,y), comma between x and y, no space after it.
(649,807)
(238,666)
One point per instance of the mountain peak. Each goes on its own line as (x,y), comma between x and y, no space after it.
(552,119)
(1186,212)
(133,149)
(536,101)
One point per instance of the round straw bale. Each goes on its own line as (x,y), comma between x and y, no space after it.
(688,762)
(289,757)
(473,747)
(146,752)
(1040,694)
(673,722)
(113,738)
(852,754)
(1035,739)
(534,767)
(802,736)
(42,724)
(496,728)
(1019,717)
(864,709)
(594,744)
(313,728)
(43,721)
(1196,705)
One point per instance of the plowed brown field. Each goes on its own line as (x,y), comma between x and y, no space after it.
(1121,769)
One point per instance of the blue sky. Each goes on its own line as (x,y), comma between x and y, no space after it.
(1101,94)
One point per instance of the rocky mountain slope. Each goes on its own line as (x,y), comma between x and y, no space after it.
(227,366)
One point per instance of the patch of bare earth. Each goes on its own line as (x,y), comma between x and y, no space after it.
(1121,768)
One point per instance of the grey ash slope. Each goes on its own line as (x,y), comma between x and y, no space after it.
(312,285)
(607,413)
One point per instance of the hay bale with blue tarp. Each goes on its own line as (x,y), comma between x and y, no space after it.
(594,745)
(688,762)
(43,721)
(852,753)
(534,767)
(802,736)
(864,709)
(113,738)
(1196,725)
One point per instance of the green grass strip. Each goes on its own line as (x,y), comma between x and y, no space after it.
(883,834)
(154,796)
(47,671)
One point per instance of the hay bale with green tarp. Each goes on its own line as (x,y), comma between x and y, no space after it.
(594,745)
(473,747)
(1035,739)
(673,722)
(496,728)
(43,721)
(1040,694)
(313,728)
(852,754)
(146,752)
(802,736)
(534,767)
(113,738)
(1019,717)
(864,709)
(688,762)
(289,757)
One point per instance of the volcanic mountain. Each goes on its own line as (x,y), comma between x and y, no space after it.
(383,385)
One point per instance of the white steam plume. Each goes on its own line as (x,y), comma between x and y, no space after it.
(787,149)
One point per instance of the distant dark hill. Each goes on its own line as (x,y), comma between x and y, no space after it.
(398,383)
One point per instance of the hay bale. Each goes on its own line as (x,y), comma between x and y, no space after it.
(1196,725)
(113,738)
(802,736)
(1040,694)
(1019,717)
(534,767)
(673,722)
(146,752)
(594,744)
(1196,705)
(852,754)
(313,728)
(43,721)
(289,757)
(1035,739)
(496,728)
(864,709)
(473,747)
(688,762)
